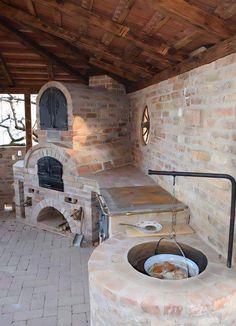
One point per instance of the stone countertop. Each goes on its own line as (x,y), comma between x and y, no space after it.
(213,292)
(127,189)
(139,199)
(125,176)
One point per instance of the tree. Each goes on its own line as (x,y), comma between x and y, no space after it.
(12,123)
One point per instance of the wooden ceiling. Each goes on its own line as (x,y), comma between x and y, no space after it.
(137,42)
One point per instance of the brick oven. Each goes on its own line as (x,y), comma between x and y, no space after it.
(81,131)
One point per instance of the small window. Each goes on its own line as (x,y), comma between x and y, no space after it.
(145,125)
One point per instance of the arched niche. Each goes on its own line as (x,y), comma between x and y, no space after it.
(53,110)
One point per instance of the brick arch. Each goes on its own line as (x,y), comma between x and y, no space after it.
(52,150)
(58,206)
(63,88)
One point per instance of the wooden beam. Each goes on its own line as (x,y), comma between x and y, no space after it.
(226,9)
(6,72)
(133,50)
(73,10)
(31,7)
(57,17)
(155,24)
(67,47)
(83,43)
(87,4)
(102,22)
(216,52)
(190,14)
(119,16)
(20,89)
(122,10)
(28,127)
(50,72)
(41,51)
(186,39)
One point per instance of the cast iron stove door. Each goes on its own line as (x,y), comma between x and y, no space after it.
(50,173)
(53,110)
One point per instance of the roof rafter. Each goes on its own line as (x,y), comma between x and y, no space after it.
(6,71)
(155,24)
(83,42)
(182,10)
(71,9)
(119,16)
(87,4)
(220,50)
(226,9)
(31,7)
(23,38)
(67,47)
(100,21)
(50,71)
(57,17)
(20,90)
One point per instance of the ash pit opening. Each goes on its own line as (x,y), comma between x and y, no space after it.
(138,254)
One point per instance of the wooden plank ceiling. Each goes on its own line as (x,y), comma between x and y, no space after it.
(137,42)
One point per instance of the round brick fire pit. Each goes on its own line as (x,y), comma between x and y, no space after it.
(122,295)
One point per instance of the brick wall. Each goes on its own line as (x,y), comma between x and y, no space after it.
(104,81)
(6,172)
(101,132)
(98,135)
(193,128)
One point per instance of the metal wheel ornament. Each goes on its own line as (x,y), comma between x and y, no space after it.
(145,125)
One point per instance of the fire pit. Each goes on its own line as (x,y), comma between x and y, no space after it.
(140,254)
(121,293)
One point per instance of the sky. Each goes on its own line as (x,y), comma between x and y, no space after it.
(5,110)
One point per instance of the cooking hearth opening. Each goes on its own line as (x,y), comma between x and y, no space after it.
(50,173)
(53,220)
(166,260)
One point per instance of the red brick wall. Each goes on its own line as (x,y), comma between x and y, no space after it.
(193,128)
(6,172)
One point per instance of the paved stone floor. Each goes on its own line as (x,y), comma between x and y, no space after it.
(43,280)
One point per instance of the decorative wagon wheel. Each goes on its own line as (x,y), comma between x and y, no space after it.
(145,125)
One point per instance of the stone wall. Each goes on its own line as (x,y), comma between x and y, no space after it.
(193,128)
(6,172)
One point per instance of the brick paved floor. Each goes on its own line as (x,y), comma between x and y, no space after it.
(43,280)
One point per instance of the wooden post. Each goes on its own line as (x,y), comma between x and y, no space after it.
(28,126)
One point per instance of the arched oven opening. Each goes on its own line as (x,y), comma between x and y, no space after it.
(50,173)
(53,220)
(53,110)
